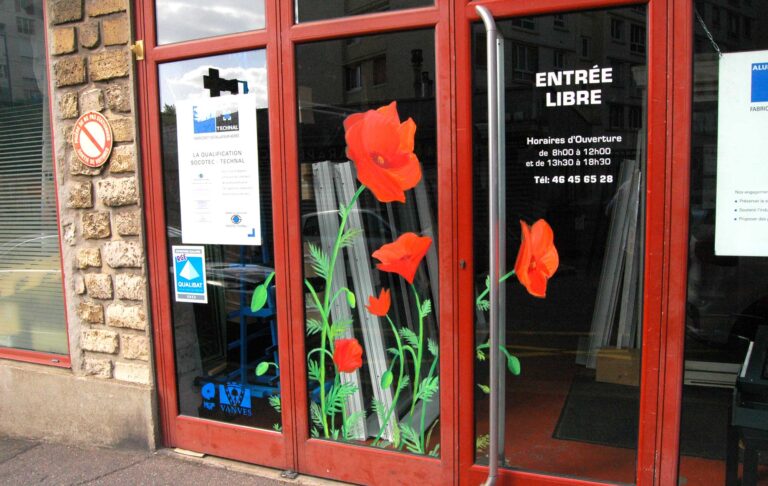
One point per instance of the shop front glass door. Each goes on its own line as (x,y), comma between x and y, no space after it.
(575,115)
(368,165)
(218,209)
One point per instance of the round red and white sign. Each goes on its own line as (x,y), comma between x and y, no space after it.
(92,139)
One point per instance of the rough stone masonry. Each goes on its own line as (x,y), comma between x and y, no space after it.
(104,254)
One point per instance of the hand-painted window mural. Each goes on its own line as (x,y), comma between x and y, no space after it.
(369,229)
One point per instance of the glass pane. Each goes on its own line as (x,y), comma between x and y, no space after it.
(727,300)
(575,111)
(309,10)
(182,20)
(218,209)
(31,300)
(368,215)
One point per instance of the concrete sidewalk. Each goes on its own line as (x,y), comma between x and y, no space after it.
(25,462)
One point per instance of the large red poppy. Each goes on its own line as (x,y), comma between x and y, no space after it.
(404,255)
(379,306)
(382,150)
(537,259)
(348,355)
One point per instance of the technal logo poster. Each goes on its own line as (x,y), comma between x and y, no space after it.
(741,219)
(189,274)
(219,170)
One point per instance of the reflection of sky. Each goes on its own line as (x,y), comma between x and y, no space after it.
(180,20)
(183,80)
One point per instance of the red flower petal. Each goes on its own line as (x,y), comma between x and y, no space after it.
(379,306)
(404,255)
(537,259)
(347,355)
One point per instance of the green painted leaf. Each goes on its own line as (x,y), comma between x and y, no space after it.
(513,365)
(386,379)
(262,368)
(435,452)
(316,413)
(404,382)
(320,261)
(259,298)
(379,409)
(483,305)
(482,443)
(353,424)
(338,328)
(313,326)
(313,370)
(432,347)
(277,427)
(409,336)
(351,299)
(426,308)
(274,402)
(410,438)
(315,433)
(486,389)
(349,237)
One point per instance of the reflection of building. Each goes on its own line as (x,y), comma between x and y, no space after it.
(20,50)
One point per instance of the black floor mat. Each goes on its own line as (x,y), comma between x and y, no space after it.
(607,414)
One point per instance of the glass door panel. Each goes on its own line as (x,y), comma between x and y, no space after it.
(575,115)
(367,155)
(218,207)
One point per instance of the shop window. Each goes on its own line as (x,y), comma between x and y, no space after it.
(586,47)
(31,298)
(526,62)
(310,10)
(637,39)
(716,22)
(558,58)
(747,28)
(524,23)
(353,77)
(727,300)
(635,118)
(379,70)
(617,30)
(182,20)
(27,6)
(224,314)
(25,26)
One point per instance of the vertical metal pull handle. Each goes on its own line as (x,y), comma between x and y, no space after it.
(496,204)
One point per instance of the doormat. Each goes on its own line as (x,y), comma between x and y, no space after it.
(607,414)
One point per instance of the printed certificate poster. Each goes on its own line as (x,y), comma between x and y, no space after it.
(189,279)
(219,170)
(741,224)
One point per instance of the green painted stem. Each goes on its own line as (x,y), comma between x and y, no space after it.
(423,406)
(401,356)
(325,309)
(485,292)
(419,351)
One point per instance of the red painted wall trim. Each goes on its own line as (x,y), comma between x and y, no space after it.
(57,360)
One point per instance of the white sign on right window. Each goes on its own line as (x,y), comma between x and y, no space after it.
(741,225)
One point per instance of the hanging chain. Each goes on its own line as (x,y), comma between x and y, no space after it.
(709,34)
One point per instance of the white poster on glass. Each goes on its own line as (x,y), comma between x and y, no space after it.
(741,225)
(219,170)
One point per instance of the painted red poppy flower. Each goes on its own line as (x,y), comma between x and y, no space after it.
(382,149)
(348,355)
(537,259)
(379,306)
(404,255)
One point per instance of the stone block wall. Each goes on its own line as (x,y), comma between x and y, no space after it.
(103,248)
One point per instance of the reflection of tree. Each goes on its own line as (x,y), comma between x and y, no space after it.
(169,110)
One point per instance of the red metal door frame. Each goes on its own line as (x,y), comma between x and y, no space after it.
(265,447)
(669,27)
(666,234)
